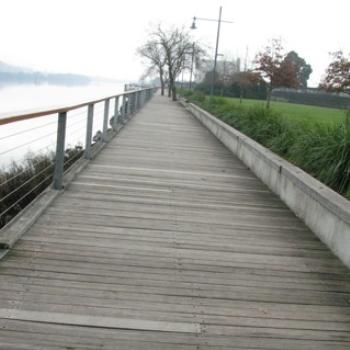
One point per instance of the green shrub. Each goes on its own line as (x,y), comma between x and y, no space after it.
(322,150)
(21,183)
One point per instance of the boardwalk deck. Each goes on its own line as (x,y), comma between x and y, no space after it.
(167,241)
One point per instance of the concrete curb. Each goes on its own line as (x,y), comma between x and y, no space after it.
(324,211)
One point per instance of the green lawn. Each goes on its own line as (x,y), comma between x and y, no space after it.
(315,139)
(299,112)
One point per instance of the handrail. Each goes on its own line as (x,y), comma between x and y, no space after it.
(125,105)
(11,117)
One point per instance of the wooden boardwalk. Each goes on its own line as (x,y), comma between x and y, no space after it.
(167,241)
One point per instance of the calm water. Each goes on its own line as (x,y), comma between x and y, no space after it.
(20,140)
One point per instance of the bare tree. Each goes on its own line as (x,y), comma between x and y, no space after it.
(154,53)
(168,52)
(177,47)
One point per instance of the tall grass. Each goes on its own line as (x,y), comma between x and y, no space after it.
(321,149)
(22,182)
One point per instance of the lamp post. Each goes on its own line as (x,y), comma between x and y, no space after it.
(219,21)
(192,61)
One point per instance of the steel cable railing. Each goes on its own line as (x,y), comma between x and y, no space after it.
(72,116)
(22,180)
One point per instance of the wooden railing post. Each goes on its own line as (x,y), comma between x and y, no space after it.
(105,121)
(90,117)
(60,143)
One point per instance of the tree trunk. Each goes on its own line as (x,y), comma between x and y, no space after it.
(162,84)
(173,90)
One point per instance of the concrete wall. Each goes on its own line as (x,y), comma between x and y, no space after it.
(324,211)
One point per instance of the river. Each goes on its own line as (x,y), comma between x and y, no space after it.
(21,140)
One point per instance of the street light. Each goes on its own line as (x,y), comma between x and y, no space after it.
(192,61)
(219,21)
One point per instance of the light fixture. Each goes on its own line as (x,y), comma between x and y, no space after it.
(193,26)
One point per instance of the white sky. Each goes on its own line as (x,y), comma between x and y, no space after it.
(100,37)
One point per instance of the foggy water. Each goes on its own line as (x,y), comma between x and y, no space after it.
(20,140)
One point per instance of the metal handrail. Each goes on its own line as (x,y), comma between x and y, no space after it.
(126,104)
(11,117)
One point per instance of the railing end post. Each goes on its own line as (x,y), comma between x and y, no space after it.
(60,144)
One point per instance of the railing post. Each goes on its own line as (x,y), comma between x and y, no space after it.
(136,94)
(134,102)
(90,117)
(60,143)
(131,103)
(139,99)
(105,122)
(123,108)
(128,105)
(116,113)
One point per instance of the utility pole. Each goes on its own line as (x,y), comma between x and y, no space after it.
(246,59)
(213,78)
(192,62)
(182,76)
(219,21)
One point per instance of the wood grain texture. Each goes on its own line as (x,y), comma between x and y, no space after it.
(167,241)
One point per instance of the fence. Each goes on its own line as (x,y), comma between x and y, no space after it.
(313,97)
(45,143)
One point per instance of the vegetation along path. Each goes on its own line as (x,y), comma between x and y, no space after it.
(167,241)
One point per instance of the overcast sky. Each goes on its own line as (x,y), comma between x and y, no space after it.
(100,37)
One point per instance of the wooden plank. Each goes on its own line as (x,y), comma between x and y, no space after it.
(165,231)
(100,322)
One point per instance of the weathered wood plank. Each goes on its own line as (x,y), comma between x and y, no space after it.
(167,241)
(98,322)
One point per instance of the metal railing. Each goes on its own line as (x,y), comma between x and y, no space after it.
(19,186)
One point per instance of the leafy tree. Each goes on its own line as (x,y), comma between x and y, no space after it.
(337,77)
(245,80)
(278,70)
(304,69)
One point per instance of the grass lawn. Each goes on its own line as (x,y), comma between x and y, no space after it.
(315,139)
(297,112)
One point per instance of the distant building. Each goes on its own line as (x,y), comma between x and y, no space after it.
(224,68)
